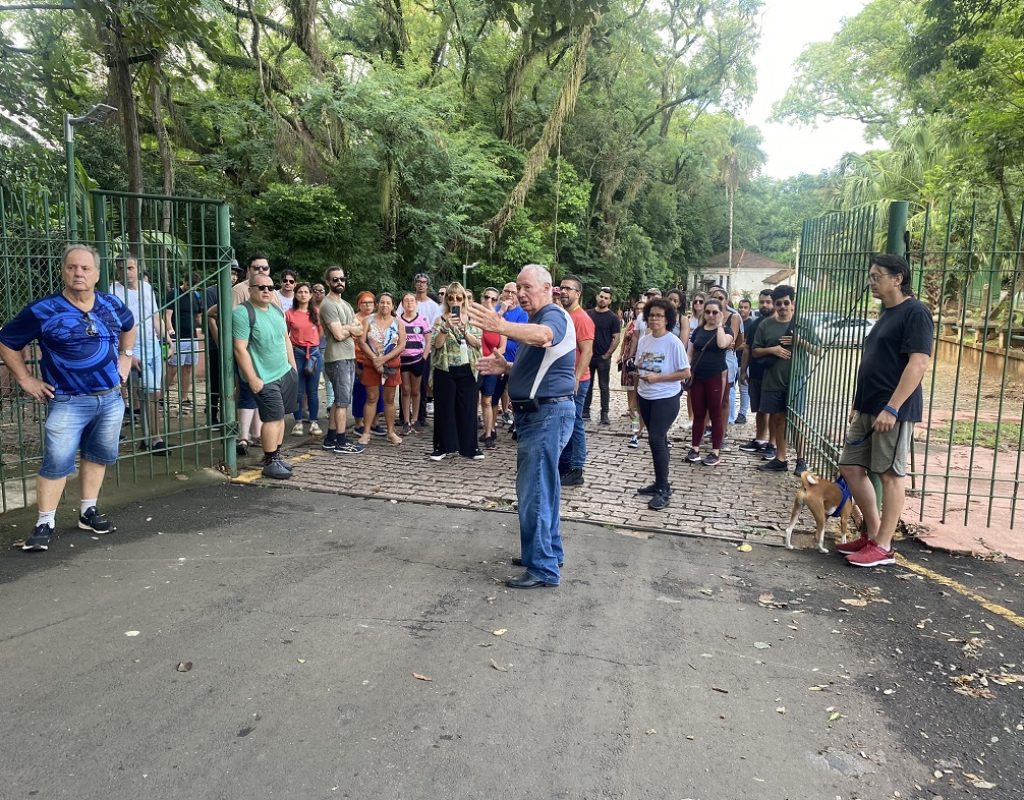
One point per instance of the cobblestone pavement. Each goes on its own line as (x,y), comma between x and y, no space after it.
(732,500)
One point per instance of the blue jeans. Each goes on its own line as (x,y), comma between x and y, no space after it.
(309,385)
(87,422)
(542,435)
(574,454)
(327,383)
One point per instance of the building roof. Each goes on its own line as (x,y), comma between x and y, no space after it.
(745,259)
(778,277)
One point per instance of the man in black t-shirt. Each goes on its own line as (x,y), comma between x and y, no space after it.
(607,329)
(887,403)
(751,373)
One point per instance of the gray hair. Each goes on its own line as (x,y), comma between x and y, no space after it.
(539,270)
(72,248)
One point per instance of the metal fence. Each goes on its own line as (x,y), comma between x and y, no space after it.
(968,268)
(183,250)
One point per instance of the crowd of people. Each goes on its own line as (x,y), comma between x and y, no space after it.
(526,355)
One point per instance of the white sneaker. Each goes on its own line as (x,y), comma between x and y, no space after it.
(298,430)
(430,408)
(634,441)
(315,430)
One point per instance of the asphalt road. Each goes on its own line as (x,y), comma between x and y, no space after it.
(345,648)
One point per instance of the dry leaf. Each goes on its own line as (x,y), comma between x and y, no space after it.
(744,548)
(496,666)
(301,660)
(419,677)
(762,645)
(131,633)
(834,716)
(650,731)
(184,666)
(983,785)
(500,632)
(854,601)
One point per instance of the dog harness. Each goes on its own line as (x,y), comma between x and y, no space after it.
(847,494)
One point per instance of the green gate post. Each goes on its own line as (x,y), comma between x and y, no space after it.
(225,342)
(102,241)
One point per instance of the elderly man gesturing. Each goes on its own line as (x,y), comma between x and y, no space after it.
(541,386)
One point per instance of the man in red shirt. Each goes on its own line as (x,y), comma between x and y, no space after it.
(574,455)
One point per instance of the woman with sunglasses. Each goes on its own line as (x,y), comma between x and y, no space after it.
(417,345)
(383,343)
(304,331)
(661,367)
(708,346)
(733,324)
(319,293)
(454,350)
(629,379)
(695,321)
(487,385)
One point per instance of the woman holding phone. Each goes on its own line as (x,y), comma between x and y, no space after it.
(708,345)
(455,347)
(382,343)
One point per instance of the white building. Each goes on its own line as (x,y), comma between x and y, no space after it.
(753,272)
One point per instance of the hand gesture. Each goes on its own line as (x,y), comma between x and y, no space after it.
(35,388)
(484,317)
(494,364)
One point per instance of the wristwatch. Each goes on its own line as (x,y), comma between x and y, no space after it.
(129,353)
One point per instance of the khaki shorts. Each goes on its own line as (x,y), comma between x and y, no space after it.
(879,452)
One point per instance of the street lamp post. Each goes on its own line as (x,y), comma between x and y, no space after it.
(466,268)
(96,115)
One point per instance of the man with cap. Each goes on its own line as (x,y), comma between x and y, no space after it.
(430,310)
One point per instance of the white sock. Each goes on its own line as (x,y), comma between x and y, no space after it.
(47,518)
(85,505)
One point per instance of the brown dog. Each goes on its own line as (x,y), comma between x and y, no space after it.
(822,497)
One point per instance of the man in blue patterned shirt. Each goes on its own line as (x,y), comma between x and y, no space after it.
(86,339)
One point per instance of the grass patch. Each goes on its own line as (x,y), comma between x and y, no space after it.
(981,433)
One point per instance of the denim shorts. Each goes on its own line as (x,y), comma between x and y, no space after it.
(186,352)
(90,423)
(342,375)
(732,366)
(151,369)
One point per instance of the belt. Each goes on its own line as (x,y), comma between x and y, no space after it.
(102,392)
(528,404)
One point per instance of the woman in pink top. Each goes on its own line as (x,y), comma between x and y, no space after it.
(417,345)
(304,331)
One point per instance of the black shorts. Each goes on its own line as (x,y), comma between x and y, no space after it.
(754,392)
(499,389)
(278,398)
(415,368)
(772,403)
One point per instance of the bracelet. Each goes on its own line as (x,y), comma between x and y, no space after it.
(894,411)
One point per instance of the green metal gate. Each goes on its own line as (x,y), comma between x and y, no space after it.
(968,268)
(182,245)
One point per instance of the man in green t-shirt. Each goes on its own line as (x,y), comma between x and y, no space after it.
(341,330)
(267,365)
(774,341)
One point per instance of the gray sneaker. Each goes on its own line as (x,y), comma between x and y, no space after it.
(276,469)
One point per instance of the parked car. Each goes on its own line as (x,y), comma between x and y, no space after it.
(845,332)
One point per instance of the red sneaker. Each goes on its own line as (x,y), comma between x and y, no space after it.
(854,546)
(871,555)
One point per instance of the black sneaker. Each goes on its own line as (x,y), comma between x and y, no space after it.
(379,430)
(658,502)
(769,452)
(800,468)
(159,448)
(93,520)
(711,460)
(774,466)
(586,416)
(349,448)
(440,455)
(652,490)
(275,468)
(605,420)
(740,420)
(40,538)
(242,448)
(693,456)
(573,477)
(478,455)
(753,446)
(329,443)
(490,443)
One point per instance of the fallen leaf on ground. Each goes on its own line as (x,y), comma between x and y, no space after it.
(834,716)
(719,690)
(500,632)
(184,666)
(762,645)
(301,660)
(496,666)
(744,548)
(419,677)
(768,601)
(858,602)
(650,731)
(131,633)
(486,644)
(983,785)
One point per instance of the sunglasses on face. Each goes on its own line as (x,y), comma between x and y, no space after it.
(782,303)
(711,313)
(288,280)
(263,287)
(337,280)
(261,268)
(698,302)
(491,297)
(318,290)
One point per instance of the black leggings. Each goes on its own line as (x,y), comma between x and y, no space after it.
(658,416)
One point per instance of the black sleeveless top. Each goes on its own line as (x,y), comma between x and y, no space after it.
(713,361)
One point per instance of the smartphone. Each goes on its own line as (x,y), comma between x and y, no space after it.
(456,311)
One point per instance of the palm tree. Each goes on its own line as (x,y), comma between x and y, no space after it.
(742,158)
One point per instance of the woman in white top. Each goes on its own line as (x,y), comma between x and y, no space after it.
(661,367)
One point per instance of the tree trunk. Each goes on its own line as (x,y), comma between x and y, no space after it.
(121,83)
(163,141)
(538,155)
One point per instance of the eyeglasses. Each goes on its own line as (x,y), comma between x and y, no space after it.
(262,287)
(875,277)
(655,316)
(260,267)
(782,303)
